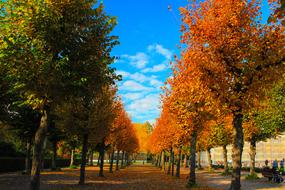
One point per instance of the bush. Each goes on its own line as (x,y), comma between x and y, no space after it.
(73,167)
(252,177)
(258,170)
(9,164)
(8,150)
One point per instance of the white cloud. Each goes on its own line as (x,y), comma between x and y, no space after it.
(134,86)
(133,96)
(148,104)
(123,73)
(139,77)
(161,50)
(139,60)
(156,83)
(155,68)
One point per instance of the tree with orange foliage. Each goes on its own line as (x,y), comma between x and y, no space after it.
(190,106)
(123,136)
(143,134)
(233,56)
(165,138)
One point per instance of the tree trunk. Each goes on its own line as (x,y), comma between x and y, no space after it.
(157,161)
(192,176)
(83,159)
(126,159)
(185,161)
(53,161)
(237,150)
(118,159)
(169,161)
(178,163)
(38,147)
(91,157)
(111,161)
(98,160)
(199,160)
(102,153)
(122,160)
(28,158)
(252,154)
(160,160)
(226,166)
(209,159)
(163,161)
(172,163)
(71,158)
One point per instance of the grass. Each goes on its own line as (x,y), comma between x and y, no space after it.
(251,177)
(73,167)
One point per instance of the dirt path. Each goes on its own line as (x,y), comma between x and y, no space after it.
(135,177)
(132,178)
(217,181)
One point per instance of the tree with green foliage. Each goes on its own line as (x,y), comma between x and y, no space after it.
(265,120)
(52,50)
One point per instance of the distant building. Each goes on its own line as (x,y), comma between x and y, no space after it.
(270,150)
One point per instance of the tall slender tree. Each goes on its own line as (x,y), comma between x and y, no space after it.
(52,50)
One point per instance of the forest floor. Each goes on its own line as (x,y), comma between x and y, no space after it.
(135,177)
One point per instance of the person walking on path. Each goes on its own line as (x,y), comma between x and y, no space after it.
(282,166)
(275,165)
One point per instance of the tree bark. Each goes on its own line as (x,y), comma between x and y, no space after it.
(38,147)
(98,160)
(186,161)
(252,154)
(157,161)
(118,159)
(160,160)
(172,163)
(71,158)
(28,158)
(53,161)
(226,166)
(83,159)
(126,159)
(122,160)
(199,160)
(163,161)
(209,159)
(178,163)
(169,161)
(192,176)
(102,153)
(91,157)
(111,161)
(237,149)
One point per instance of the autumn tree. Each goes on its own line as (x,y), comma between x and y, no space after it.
(55,49)
(189,105)
(234,57)
(122,136)
(265,120)
(102,115)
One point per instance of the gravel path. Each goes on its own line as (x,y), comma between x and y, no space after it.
(134,177)
(220,182)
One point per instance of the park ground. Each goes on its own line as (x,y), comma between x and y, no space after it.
(135,177)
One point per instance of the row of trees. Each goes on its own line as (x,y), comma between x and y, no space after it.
(56,80)
(221,89)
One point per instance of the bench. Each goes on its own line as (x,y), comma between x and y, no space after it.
(268,173)
(272,174)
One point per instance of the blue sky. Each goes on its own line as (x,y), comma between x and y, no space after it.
(149,37)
